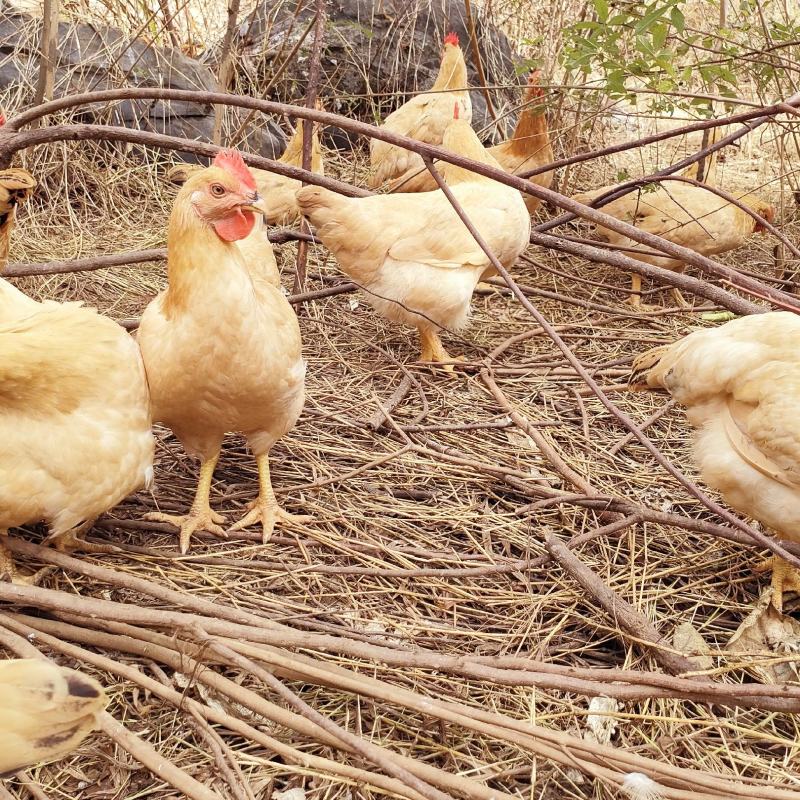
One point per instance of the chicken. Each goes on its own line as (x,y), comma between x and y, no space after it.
(415,258)
(691,216)
(222,350)
(16,187)
(528,148)
(740,384)
(277,203)
(46,711)
(425,118)
(75,428)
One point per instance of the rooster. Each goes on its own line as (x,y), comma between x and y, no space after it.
(46,711)
(691,216)
(424,117)
(740,384)
(415,258)
(222,349)
(529,147)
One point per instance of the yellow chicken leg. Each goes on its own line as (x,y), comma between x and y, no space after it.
(265,508)
(8,569)
(432,349)
(200,516)
(785,578)
(635,298)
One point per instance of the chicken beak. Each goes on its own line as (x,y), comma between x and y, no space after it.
(251,205)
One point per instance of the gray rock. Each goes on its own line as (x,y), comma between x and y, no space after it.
(371,48)
(101,57)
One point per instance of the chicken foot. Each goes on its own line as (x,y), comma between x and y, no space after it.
(71,540)
(8,569)
(200,516)
(432,349)
(265,508)
(785,578)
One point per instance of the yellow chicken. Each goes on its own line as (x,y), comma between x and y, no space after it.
(16,186)
(528,148)
(740,384)
(690,216)
(75,434)
(277,204)
(222,349)
(415,258)
(424,117)
(46,711)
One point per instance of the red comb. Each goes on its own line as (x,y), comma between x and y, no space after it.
(451,38)
(232,161)
(2,119)
(455,111)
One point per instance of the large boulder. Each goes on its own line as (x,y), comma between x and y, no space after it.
(373,50)
(94,57)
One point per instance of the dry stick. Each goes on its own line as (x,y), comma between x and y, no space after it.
(624,616)
(11,141)
(654,417)
(476,54)
(143,752)
(314,75)
(757,116)
(620,416)
(30,785)
(30,626)
(47,53)
(398,395)
(19,269)
(696,286)
(182,658)
(225,67)
(555,745)
(513,672)
(369,751)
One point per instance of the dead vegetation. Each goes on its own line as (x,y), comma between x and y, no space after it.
(428,610)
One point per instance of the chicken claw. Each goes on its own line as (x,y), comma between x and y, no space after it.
(433,350)
(265,508)
(268,514)
(785,578)
(8,569)
(72,540)
(200,516)
(198,519)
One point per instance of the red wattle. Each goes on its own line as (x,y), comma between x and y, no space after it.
(235,227)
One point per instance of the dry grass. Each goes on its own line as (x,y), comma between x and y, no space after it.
(414,511)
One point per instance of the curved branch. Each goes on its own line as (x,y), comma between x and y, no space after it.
(12,140)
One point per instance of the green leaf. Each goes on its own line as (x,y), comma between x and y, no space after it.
(659,33)
(677,19)
(601,7)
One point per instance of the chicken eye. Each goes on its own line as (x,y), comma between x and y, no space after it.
(217,189)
